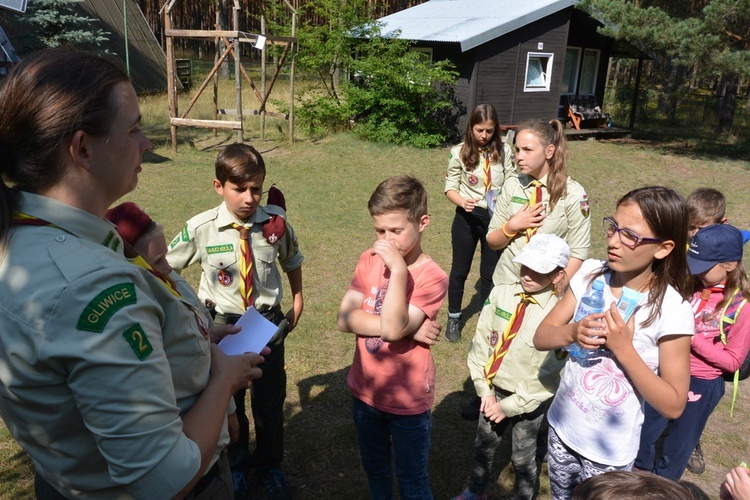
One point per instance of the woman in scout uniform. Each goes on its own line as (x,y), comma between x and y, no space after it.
(476,171)
(110,382)
(542,198)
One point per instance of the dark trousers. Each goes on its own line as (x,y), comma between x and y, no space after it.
(267,395)
(468,229)
(684,433)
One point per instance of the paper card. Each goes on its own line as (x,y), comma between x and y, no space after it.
(255,334)
(491,197)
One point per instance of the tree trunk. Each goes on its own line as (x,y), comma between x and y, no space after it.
(726,103)
(672,80)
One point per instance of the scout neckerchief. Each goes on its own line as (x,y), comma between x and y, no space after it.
(22,219)
(726,321)
(511,329)
(536,197)
(246,265)
(487,170)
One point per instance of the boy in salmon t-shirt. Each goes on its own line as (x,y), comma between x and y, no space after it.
(391,306)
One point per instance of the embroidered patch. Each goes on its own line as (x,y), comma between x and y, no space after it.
(220,249)
(473,180)
(183,236)
(503,314)
(224,277)
(493,338)
(487,301)
(519,200)
(108,240)
(137,339)
(96,314)
(585,205)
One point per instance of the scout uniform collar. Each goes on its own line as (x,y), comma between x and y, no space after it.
(225,218)
(542,297)
(72,220)
(526,180)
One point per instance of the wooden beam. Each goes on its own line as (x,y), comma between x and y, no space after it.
(190,122)
(244,37)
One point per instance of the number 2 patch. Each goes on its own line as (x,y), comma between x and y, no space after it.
(136,337)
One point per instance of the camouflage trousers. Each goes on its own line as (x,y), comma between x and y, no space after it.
(524,435)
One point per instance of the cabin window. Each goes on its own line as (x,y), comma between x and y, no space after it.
(425,53)
(538,72)
(588,71)
(570,71)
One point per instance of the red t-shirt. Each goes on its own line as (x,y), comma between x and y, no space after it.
(395,377)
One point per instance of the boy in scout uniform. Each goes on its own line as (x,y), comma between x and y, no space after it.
(237,245)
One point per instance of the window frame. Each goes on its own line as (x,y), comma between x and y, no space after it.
(546,71)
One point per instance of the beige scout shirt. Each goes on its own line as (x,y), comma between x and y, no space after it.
(210,239)
(569,220)
(531,376)
(104,360)
(470,185)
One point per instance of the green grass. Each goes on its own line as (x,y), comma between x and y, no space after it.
(327,183)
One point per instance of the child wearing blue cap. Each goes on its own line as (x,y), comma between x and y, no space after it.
(720,345)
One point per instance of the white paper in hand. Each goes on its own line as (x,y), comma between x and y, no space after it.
(491,198)
(255,334)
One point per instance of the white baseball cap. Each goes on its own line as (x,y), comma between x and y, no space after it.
(544,253)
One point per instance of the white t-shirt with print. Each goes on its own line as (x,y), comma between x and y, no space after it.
(596,410)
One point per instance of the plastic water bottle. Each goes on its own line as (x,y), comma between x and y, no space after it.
(592,302)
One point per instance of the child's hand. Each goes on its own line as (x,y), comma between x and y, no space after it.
(589,331)
(527,217)
(389,253)
(618,334)
(736,485)
(468,205)
(494,412)
(487,401)
(428,333)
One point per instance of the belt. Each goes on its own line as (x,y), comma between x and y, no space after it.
(209,476)
(269,314)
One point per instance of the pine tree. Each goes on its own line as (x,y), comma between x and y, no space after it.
(61,23)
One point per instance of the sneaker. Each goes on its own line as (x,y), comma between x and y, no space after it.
(696,463)
(468,495)
(241,488)
(276,484)
(471,410)
(453,331)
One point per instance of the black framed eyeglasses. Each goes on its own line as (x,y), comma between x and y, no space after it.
(627,237)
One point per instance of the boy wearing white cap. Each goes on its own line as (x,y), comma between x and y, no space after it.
(514,380)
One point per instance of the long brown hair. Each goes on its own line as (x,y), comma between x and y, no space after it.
(552,132)
(470,149)
(46,98)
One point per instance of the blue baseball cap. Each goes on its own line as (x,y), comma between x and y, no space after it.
(712,245)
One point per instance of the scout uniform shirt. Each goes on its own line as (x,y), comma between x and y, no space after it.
(101,360)
(210,238)
(531,376)
(569,220)
(470,185)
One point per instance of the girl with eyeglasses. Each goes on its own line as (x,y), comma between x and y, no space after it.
(597,413)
